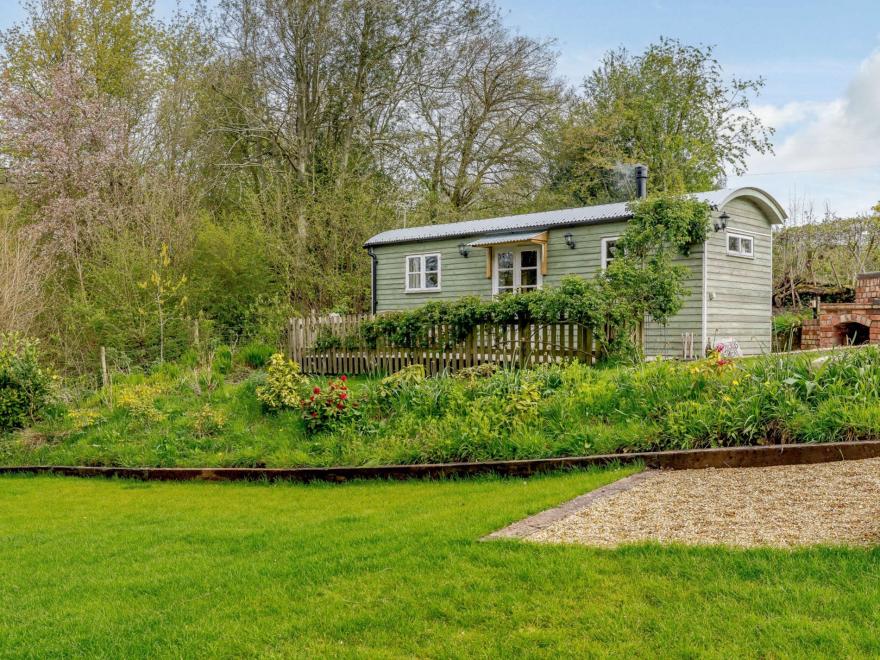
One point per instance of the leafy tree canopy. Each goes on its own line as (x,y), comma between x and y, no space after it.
(670,108)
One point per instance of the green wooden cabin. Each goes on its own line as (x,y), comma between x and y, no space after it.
(730,280)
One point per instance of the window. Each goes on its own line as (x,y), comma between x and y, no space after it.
(517,269)
(423,272)
(739,245)
(609,250)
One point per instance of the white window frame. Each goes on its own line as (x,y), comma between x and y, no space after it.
(517,266)
(422,259)
(739,253)
(603,255)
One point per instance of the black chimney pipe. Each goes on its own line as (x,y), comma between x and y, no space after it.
(641,181)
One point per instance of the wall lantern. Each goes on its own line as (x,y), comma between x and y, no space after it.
(721,222)
(569,240)
(464,249)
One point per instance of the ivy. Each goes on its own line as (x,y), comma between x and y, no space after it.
(665,221)
(642,281)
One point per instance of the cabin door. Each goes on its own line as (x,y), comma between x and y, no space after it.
(516,269)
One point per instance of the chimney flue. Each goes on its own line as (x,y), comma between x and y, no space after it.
(641,181)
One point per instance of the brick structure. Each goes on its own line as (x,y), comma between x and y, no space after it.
(839,324)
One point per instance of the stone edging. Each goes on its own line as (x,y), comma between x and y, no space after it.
(795,454)
(528,526)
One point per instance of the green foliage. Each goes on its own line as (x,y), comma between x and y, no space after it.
(479,371)
(255,355)
(25,386)
(208,422)
(821,256)
(329,406)
(138,400)
(235,280)
(166,295)
(786,329)
(160,419)
(284,382)
(671,108)
(394,383)
(222,360)
(326,340)
(677,221)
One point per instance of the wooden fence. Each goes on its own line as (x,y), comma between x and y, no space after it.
(507,345)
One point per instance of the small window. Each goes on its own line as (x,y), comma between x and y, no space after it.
(423,272)
(506,271)
(739,245)
(609,250)
(528,270)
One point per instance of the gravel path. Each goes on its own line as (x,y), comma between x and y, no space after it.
(786,506)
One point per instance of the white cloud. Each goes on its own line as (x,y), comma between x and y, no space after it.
(829,150)
(781,117)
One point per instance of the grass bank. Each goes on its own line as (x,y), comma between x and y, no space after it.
(120,569)
(175,416)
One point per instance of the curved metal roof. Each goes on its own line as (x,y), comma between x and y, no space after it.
(564,217)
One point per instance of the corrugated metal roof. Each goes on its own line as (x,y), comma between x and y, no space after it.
(505,238)
(578,216)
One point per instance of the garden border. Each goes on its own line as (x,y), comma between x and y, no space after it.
(723,457)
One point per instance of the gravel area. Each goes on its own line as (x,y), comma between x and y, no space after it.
(786,506)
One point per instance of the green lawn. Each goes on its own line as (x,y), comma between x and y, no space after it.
(121,569)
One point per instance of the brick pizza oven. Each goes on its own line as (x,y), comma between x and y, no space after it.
(841,324)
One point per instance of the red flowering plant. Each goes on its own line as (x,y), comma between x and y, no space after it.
(328,406)
(718,358)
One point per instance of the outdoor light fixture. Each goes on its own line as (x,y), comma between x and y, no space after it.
(463,249)
(569,240)
(721,222)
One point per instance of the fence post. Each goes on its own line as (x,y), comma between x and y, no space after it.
(105,374)
(524,331)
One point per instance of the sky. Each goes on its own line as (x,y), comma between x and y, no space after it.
(820,61)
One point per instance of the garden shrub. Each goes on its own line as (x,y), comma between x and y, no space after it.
(478,371)
(138,401)
(399,380)
(256,355)
(787,328)
(222,360)
(329,406)
(25,387)
(208,422)
(83,418)
(283,384)
(326,340)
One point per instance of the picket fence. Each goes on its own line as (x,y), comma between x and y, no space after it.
(507,345)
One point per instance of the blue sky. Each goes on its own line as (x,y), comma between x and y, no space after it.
(820,60)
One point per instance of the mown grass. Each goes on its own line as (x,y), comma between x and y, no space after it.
(123,569)
(181,416)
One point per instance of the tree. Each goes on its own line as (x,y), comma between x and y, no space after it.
(66,145)
(822,256)
(111,41)
(477,118)
(22,271)
(670,108)
(165,295)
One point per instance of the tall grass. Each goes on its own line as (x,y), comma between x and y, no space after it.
(181,416)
